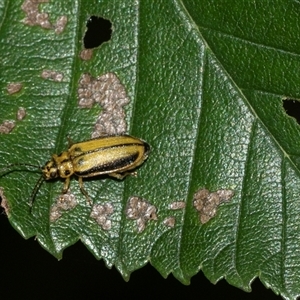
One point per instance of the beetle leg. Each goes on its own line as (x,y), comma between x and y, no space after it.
(83,191)
(66,185)
(121,176)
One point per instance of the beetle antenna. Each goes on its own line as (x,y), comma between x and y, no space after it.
(19,164)
(36,188)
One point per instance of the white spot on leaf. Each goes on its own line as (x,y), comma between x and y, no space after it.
(177,205)
(169,222)
(207,203)
(110,94)
(64,203)
(140,210)
(101,213)
(14,87)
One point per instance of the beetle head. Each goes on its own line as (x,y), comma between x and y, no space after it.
(50,170)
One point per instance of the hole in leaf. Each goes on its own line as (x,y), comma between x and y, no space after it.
(292,108)
(98,31)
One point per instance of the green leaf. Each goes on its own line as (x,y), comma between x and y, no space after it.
(206,81)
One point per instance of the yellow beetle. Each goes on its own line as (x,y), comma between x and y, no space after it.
(115,156)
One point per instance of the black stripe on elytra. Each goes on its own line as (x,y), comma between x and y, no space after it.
(116,165)
(110,147)
(65,160)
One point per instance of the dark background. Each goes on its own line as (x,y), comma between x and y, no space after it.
(28,271)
